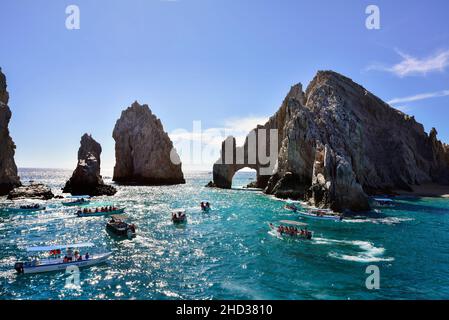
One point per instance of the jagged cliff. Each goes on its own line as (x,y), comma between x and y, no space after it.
(338,143)
(86,179)
(144,152)
(8,169)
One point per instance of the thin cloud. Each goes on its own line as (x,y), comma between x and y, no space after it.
(418,97)
(410,65)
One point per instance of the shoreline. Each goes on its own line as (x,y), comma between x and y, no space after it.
(429,190)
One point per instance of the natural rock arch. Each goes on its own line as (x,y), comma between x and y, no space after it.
(235,158)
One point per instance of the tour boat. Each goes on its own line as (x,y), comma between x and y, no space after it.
(178,216)
(55,263)
(302,233)
(28,208)
(320,214)
(79,201)
(291,207)
(119,227)
(384,202)
(97,212)
(205,208)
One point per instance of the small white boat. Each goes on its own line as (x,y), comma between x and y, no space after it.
(320,215)
(178,216)
(54,262)
(119,227)
(79,201)
(291,207)
(98,213)
(205,206)
(384,202)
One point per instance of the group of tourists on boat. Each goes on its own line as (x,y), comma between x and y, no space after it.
(205,206)
(30,206)
(98,210)
(74,256)
(292,231)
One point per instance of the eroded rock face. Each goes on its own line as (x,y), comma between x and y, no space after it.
(86,179)
(144,152)
(33,191)
(8,169)
(338,143)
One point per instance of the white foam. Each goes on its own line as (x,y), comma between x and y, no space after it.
(387,221)
(369,252)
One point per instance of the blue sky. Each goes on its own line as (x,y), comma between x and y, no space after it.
(226,63)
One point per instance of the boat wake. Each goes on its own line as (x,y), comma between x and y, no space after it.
(387,220)
(366,252)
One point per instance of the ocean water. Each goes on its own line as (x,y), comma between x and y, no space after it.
(230,253)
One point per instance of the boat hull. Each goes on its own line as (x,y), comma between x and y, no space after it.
(18,210)
(97,259)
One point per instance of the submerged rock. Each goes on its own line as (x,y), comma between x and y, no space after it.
(32,191)
(144,152)
(338,144)
(86,179)
(8,169)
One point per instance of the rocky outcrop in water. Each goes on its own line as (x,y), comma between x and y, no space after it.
(8,169)
(86,179)
(33,191)
(144,152)
(338,144)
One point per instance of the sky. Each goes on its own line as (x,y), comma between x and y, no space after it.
(222,65)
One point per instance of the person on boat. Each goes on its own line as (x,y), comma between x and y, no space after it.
(80,258)
(69,254)
(86,256)
(65,260)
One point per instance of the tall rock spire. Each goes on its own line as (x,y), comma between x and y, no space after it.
(8,169)
(144,153)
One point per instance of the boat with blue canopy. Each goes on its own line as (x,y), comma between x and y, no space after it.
(98,212)
(28,208)
(321,214)
(59,258)
(384,202)
(77,201)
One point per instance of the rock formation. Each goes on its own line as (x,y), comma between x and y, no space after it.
(86,179)
(143,151)
(32,191)
(8,169)
(338,144)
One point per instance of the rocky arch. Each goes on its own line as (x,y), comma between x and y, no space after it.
(235,158)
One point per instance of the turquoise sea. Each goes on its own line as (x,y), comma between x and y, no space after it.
(229,253)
